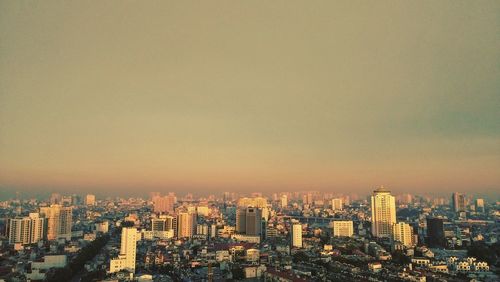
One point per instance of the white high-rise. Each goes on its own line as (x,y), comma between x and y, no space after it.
(383,206)
(128,249)
(297,235)
(343,228)
(403,232)
(26,230)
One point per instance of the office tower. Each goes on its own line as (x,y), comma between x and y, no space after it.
(458,202)
(480,205)
(435,232)
(343,228)
(383,207)
(128,248)
(284,201)
(249,221)
(337,204)
(241,217)
(162,223)
(186,224)
(297,235)
(403,232)
(59,221)
(26,230)
(253,221)
(164,204)
(90,200)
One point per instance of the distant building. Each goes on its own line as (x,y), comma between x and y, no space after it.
(343,228)
(102,227)
(458,202)
(26,230)
(284,201)
(383,206)
(90,200)
(337,204)
(297,235)
(249,221)
(403,232)
(164,204)
(59,221)
(435,232)
(480,205)
(128,249)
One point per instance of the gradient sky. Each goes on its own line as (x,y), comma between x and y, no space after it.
(250,95)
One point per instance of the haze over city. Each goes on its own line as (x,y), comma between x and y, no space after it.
(274,141)
(249,96)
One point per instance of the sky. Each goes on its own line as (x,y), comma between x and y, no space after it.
(335,96)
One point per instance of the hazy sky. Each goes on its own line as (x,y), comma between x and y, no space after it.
(250,95)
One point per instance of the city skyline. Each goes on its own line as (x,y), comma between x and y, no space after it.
(335,97)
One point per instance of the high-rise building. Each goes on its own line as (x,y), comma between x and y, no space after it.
(435,232)
(383,207)
(128,249)
(249,221)
(343,228)
(164,204)
(90,200)
(241,220)
(337,204)
(284,201)
(403,232)
(297,235)
(26,230)
(458,202)
(59,221)
(186,224)
(480,205)
(162,223)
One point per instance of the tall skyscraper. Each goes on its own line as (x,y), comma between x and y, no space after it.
(249,221)
(403,232)
(59,221)
(337,204)
(128,248)
(297,235)
(90,200)
(458,202)
(383,207)
(435,232)
(186,224)
(343,228)
(26,230)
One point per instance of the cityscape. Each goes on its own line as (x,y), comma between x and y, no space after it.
(275,141)
(288,236)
